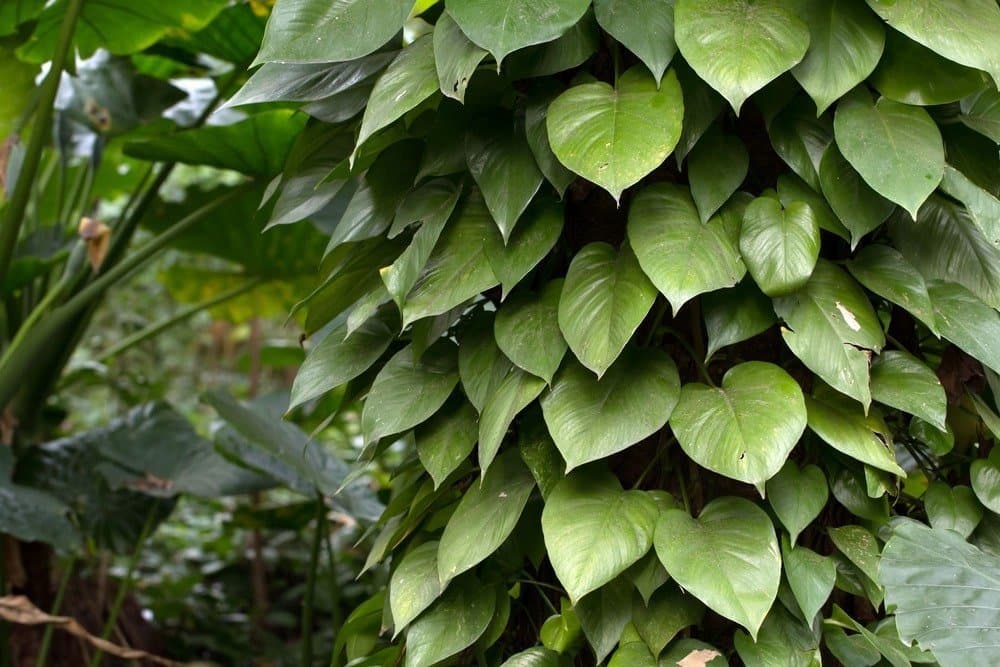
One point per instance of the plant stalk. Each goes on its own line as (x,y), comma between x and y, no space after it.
(43,651)
(310,595)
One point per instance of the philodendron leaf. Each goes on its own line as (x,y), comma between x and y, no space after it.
(485,517)
(906,383)
(845,45)
(925,568)
(896,148)
(447,439)
(604,300)
(886,272)
(644,27)
(504,27)
(832,328)
(512,395)
(952,508)
(591,418)
(716,167)
(780,246)
(746,429)
(615,136)
(797,496)
(860,208)
(414,585)
(455,57)
(532,240)
(843,426)
(453,623)
(735,315)
(408,390)
(810,576)
(961,30)
(527,330)
(967,322)
(594,530)
(740,579)
(682,256)
(738,46)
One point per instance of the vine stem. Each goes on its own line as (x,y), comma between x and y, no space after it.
(310,596)
(43,651)
(11,224)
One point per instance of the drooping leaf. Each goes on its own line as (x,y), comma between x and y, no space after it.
(447,439)
(791,189)
(281,82)
(952,508)
(538,656)
(966,321)
(567,51)
(739,46)
(32,515)
(591,418)
(797,496)
(740,580)
(536,129)
(810,576)
(455,57)
(886,272)
(859,546)
(527,330)
(414,585)
(783,640)
(615,136)
(860,208)
(735,315)
(904,382)
(512,395)
(845,428)
(702,106)
(668,611)
(981,112)
(983,206)
(481,364)
(913,74)
(682,256)
(594,530)
(453,623)
(644,27)
(984,475)
(538,231)
(780,246)
(716,167)
(800,138)
(604,614)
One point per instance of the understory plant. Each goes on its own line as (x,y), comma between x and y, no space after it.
(683,315)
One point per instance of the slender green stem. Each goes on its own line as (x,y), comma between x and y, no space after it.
(126,584)
(181,315)
(331,556)
(310,595)
(10,226)
(43,651)
(682,483)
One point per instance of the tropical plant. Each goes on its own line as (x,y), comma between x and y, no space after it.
(683,312)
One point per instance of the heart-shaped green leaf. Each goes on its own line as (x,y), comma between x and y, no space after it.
(906,383)
(604,300)
(452,624)
(594,530)
(845,428)
(535,113)
(832,326)
(455,57)
(485,517)
(860,208)
(414,585)
(532,240)
(967,322)
(783,640)
(682,256)
(481,364)
(952,508)
(746,429)
(668,611)
(615,136)
(504,27)
(740,579)
(591,418)
(797,496)
(738,46)
(512,395)
(716,168)
(799,137)
(886,272)
(604,615)
(779,246)
(859,546)
(810,576)
(913,74)
(527,330)
(644,27)
(846,41)
(984,475)
(896,148)
(735,315)
(447,438)
(539,656)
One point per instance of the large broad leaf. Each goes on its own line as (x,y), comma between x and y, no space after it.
(952,508)
(896,148)
(738,46)
(983,205)
(32,515)
(981,112)
(967,322)
(800,137)
(501,162)
(961,30)
(832,328)
(409,80)
(780,246)
(604,614)
(615,136)
(409,389)
(668,611)
(644,27)
(810,576)
(735,315)
(716,168)
(791,189)
(512,395)
(843,426)
(594,530)
(906,383)
(504,27)
(604,300)
(740,579)
(846,43)
(455,57)
(797,496)
(570,50)
(275,82)
(746,429)
(531,241)
(886,272)
(318,31)
(452,624)
(527,330)
(485,517)
(925,568)
(591,418)
(984,474)
(445,440)
(682,256)
(414,585)
(860,208)
(913,74)
(784,640)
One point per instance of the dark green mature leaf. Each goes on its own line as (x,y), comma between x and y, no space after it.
(32,515)
(800,138)
(780,246)
(860,208)
(538,231)
(594,530)
(746,429)
(740,580)
(668,611)
(632,653)
(615,136)
(604,614)
(278,82)
(535,114)
(502,28)
(886,272)
(408,390)
(896,148)
(961,30)
(923,567)
(604,300)
(481,364)
(453,623)
(527,330)
(981,112)
(846,41)
(455,57)
(716,168)
(913,74)
(15,12)
(983,206)
(701,107)
(316,31)
(783,640)
(810,576)
(447,439)
(735,315)
(797,496)
(538,656)
(512,395)
(591,418)
(952,508)
(501,162)
(414,585)
(569,50)
(738,46)
(791,189)
(644,27)
(682,256)
(845,428)
(984,475)
(967,322)
(833,327)
(692,649)
(485,517)
(904,382)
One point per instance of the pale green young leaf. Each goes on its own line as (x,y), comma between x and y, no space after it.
(810,576)
(797,496)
